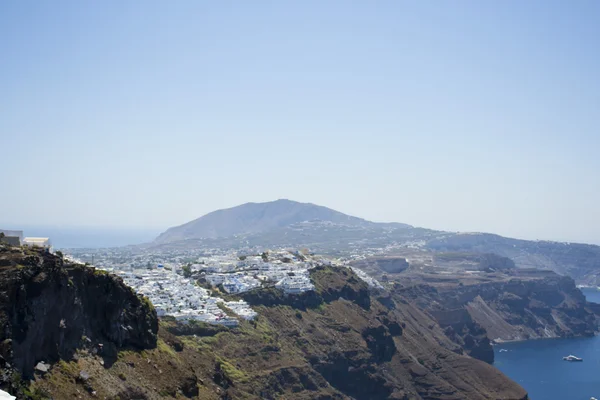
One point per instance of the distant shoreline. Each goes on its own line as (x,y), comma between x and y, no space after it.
(596,288)
(496,342)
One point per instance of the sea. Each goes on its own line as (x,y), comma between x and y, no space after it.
(537,365)
(83,237)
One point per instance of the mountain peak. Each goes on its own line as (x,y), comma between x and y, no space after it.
(254,218)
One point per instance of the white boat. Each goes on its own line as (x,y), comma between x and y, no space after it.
(572,358)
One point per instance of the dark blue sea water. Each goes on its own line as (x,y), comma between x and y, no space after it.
(537,365)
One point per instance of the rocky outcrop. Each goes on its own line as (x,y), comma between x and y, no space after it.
(273,296)
(459,326)
(49,308)
(380,343)
(329,286)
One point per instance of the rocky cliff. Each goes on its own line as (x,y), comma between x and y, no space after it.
(98,340)
(50,308)
(577,260)
(524,304)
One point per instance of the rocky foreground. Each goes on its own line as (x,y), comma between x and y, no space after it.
(73,332)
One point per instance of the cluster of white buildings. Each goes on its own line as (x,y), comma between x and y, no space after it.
(287,270)
(173,295)
(372,282)
(163,279)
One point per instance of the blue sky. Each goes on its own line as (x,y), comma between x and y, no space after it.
(464,115)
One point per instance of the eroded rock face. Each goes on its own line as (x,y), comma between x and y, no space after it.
(392,350)
(518,307)
(50,308)
(463,330)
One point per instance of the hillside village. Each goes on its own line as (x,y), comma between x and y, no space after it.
(173,285)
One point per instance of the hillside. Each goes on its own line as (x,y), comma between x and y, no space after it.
(251,218)
(285,223)
(480,298)
(579,261)
(343,342)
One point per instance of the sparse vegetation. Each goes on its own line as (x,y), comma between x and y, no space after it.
(100,272)
(146,301)
(165,348)
(34,392)
(69,368)
(231,372)
(228,311)
(187,270)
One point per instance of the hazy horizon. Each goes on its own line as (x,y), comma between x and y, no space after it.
(114,236)
(482,117)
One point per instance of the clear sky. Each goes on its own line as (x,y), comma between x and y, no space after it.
(457,115)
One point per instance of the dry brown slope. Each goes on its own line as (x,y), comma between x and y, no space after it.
(348,345)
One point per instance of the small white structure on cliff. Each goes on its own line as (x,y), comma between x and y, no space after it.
(37,242)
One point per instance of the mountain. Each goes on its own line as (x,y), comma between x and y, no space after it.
(76,332)
(252,218)
(285,223)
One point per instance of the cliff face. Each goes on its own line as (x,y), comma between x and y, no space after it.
(389,265)
(343,342)
(49,309)
(524,305)
(580,261)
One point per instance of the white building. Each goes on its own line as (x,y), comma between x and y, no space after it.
(37,242)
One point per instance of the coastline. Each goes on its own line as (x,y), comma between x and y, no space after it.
(498,341)
(539,367)
(596,288)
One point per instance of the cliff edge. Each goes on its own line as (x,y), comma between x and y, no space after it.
(518,305)
(50,308)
